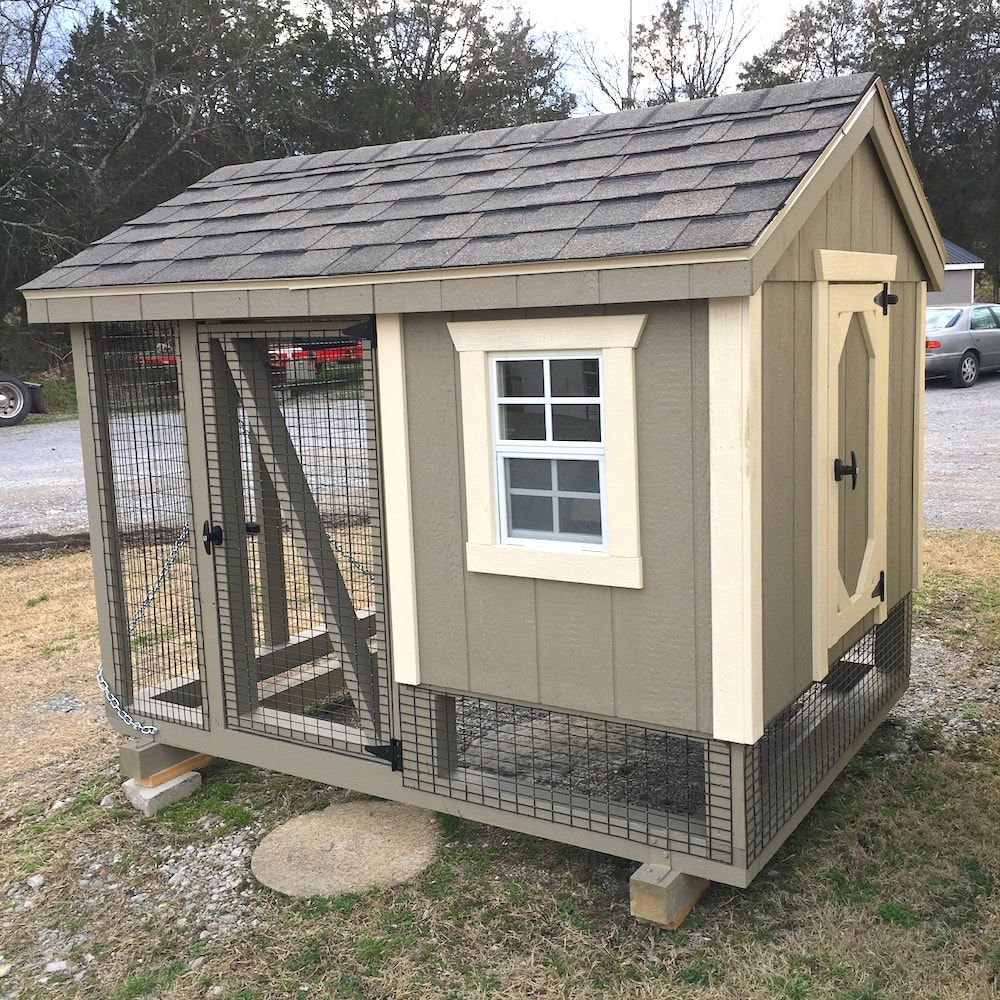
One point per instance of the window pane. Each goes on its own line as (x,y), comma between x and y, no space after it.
(529,473)
(521,378)
(576,422)
(522,422)
(575,377)
(579,477)
(529,514)
(580,517)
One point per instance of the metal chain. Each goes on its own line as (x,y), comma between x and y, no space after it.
(109,696)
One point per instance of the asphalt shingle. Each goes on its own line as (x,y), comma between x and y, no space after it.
(685,176)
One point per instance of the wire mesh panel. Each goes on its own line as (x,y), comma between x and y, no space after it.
(630,781)
(143,481)
(801,745)
(292,446)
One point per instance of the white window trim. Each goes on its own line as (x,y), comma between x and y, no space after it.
(549,449)
(613,339)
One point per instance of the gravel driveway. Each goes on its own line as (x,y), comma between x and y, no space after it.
(40,467)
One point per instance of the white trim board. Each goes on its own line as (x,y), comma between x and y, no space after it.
(734,393)
(395,461)
(614,339)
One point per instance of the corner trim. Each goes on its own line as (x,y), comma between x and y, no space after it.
(734,391)
(401,583)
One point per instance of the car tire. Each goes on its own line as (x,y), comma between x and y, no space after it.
(15,401)
(967,372)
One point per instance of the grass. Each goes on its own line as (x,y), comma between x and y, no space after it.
(890,890)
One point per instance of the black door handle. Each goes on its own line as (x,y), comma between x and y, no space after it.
(211,535)
(841,470)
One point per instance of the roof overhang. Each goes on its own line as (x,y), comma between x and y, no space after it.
(976,266)
(604,281)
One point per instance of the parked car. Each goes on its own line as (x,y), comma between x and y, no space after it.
(17,399)
(279,355)
(962,341)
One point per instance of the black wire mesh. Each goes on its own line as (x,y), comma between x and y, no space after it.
(802,744)
(136,405)
(293,471)
(617,778)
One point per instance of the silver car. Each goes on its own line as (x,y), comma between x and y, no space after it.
(962,341)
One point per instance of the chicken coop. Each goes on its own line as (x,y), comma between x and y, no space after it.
(564,477)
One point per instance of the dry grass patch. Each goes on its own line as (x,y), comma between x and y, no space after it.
(889,891)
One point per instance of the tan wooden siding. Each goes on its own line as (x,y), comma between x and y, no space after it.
(636,654)
(858,213)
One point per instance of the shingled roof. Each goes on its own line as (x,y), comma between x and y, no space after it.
(687,176)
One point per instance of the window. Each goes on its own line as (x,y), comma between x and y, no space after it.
(983,319)
(549,450)
(549,437)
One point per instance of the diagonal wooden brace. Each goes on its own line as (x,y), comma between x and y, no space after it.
(250,372)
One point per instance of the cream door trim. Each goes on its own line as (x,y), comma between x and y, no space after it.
(401,583)
(835,611)
(734,344)
(849,265)
(615,338)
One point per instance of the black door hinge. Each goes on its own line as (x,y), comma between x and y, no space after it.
(391,751)
(211,535)
(885,298)
(879,590)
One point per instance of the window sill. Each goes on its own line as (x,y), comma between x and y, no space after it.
(594,568)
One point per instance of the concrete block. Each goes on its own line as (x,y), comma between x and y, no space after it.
(149,801)
(663,896)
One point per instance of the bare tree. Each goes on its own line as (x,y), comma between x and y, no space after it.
(682,52)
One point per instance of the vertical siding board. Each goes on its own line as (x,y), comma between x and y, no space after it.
(802,487)
(778,459)
(436,501)
(863,185)
(902,581)
(701,512)
(812,236)
(838,214)
(500,612)
(575,652)
(654,628)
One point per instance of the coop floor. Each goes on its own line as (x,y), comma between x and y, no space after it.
(888,892)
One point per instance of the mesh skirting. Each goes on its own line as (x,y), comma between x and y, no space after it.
(135,403)
(802,744)
(616,778)
(659,787)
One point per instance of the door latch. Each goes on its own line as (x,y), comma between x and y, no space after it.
(885,298)
(879,590)
(841,470)
(211,535)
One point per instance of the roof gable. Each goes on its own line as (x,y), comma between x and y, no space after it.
(692,176)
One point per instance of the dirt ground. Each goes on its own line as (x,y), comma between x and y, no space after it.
(889,891)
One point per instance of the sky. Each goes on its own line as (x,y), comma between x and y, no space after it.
(607,20)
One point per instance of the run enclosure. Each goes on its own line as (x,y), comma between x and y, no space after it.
(616,551)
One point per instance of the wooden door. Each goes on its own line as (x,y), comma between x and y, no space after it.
(851,439)
(296,533)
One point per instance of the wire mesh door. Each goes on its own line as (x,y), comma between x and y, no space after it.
(296,534)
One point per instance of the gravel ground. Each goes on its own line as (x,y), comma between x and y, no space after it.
(962,455)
